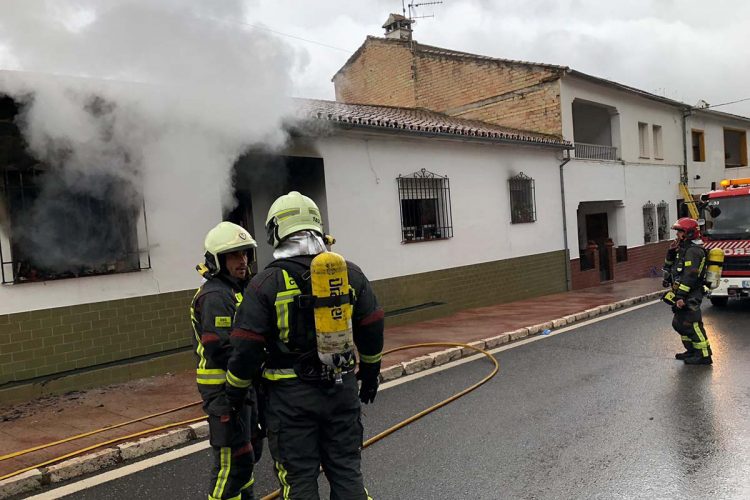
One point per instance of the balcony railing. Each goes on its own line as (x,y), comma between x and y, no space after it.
(595,151)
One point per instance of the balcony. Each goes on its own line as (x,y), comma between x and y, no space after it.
(595,151)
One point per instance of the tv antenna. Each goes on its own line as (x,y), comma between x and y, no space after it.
(412,6)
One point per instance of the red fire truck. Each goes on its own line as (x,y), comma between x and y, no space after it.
(727,215)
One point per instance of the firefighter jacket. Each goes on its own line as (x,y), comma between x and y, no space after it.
(689,272)
(272,329)
(211,314)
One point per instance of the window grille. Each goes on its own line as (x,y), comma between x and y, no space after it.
(425,204)
(85,235)
(649,223)
(522,201)
(662,216)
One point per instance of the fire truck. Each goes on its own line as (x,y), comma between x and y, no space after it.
(726,212)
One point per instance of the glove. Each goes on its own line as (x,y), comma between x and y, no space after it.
(235,396)
(666,281)
(368,374)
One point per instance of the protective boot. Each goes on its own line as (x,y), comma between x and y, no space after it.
(689,353)
(697,359)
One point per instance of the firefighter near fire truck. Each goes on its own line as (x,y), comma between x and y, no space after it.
(301,320)
(685,273)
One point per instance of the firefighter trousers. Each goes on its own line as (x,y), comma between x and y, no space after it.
(689,324)
(310,425)
(229,436)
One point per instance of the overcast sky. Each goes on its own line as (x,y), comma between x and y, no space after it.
(682,49)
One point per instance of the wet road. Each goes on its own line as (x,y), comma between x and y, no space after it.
(601,411)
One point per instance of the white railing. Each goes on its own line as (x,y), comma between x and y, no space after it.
(595,151)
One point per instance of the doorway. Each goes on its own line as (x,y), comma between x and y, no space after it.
(597,230)
(258,179)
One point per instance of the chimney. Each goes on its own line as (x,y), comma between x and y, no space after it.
(398,27)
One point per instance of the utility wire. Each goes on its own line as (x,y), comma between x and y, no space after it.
(726,103)
(261,27)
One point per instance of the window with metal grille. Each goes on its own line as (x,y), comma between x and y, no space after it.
(425,203)
(56,232)
(522,202)
(649,223)
(662,216)
(53,227)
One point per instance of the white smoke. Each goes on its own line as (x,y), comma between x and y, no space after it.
(125,88)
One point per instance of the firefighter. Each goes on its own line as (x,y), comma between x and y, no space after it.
(232,430)
(312,409)
(685,270)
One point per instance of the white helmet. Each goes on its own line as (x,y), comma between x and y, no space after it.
(226,237)
(291,213)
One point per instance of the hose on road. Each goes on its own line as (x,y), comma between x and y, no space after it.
(432,408)
(275,494)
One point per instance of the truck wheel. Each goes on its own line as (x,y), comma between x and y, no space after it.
(719,301)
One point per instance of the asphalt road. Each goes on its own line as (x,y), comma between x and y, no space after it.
(601,411)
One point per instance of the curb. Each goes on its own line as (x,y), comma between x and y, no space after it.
(101,459)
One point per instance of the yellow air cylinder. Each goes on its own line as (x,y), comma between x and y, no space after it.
(715,263)
(333,308)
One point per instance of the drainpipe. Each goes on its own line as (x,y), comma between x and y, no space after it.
(568,280)
(684,174)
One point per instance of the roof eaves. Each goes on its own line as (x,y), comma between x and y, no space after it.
(722,114)
(447,133)
(626,88)
(390,118)
(468,55)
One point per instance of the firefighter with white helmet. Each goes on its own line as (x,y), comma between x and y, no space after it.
(301,320)
(232,429)
(685,271)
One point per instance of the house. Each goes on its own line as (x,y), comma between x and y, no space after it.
(622,185)
(442,213)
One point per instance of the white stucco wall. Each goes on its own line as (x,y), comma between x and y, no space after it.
(363,202)
(631,109)
(632,181)
(363,210)
(181,206)
(628,186)
(712,170)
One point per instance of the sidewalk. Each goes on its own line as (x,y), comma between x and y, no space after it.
(50,419)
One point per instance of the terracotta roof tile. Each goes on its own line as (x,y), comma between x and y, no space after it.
(416,121)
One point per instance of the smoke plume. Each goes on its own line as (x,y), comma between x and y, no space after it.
(114,93)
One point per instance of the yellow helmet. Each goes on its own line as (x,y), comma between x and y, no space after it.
(291,213)
(226,237)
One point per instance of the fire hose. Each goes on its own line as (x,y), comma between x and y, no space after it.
(275,494)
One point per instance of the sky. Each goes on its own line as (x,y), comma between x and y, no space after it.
(686,50)
(681,49)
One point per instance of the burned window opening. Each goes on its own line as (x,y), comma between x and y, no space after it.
(54,225)
(425,206)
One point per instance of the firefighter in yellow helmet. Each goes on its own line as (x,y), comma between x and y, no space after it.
(232,430)
(311,397)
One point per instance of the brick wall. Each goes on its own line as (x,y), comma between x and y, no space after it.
(584,279)
(380,73)
(393,73)
(643,262)
(51,341)
(471,286)
(536,109)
